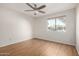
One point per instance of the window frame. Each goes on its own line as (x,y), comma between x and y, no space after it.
(55,18)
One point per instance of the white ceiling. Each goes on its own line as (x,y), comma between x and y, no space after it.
(49,9)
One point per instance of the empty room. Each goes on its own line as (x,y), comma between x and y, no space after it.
(39,29)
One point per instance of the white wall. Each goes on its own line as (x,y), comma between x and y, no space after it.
(67,37)
(77,28)
(14,26)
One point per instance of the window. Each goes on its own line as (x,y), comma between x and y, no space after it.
(56,24)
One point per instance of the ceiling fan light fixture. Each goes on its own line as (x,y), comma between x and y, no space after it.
(36,12)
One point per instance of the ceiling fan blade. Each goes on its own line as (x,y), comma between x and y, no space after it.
(28,10)
(41,11)
(35,5)
(30,5)
(43,6)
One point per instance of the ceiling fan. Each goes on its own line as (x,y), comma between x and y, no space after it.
(35,8)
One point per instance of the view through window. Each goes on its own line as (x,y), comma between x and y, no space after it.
(56,24)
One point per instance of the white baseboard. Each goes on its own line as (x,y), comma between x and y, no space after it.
(13,42)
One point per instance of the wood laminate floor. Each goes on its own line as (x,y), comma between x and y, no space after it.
(38,47)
